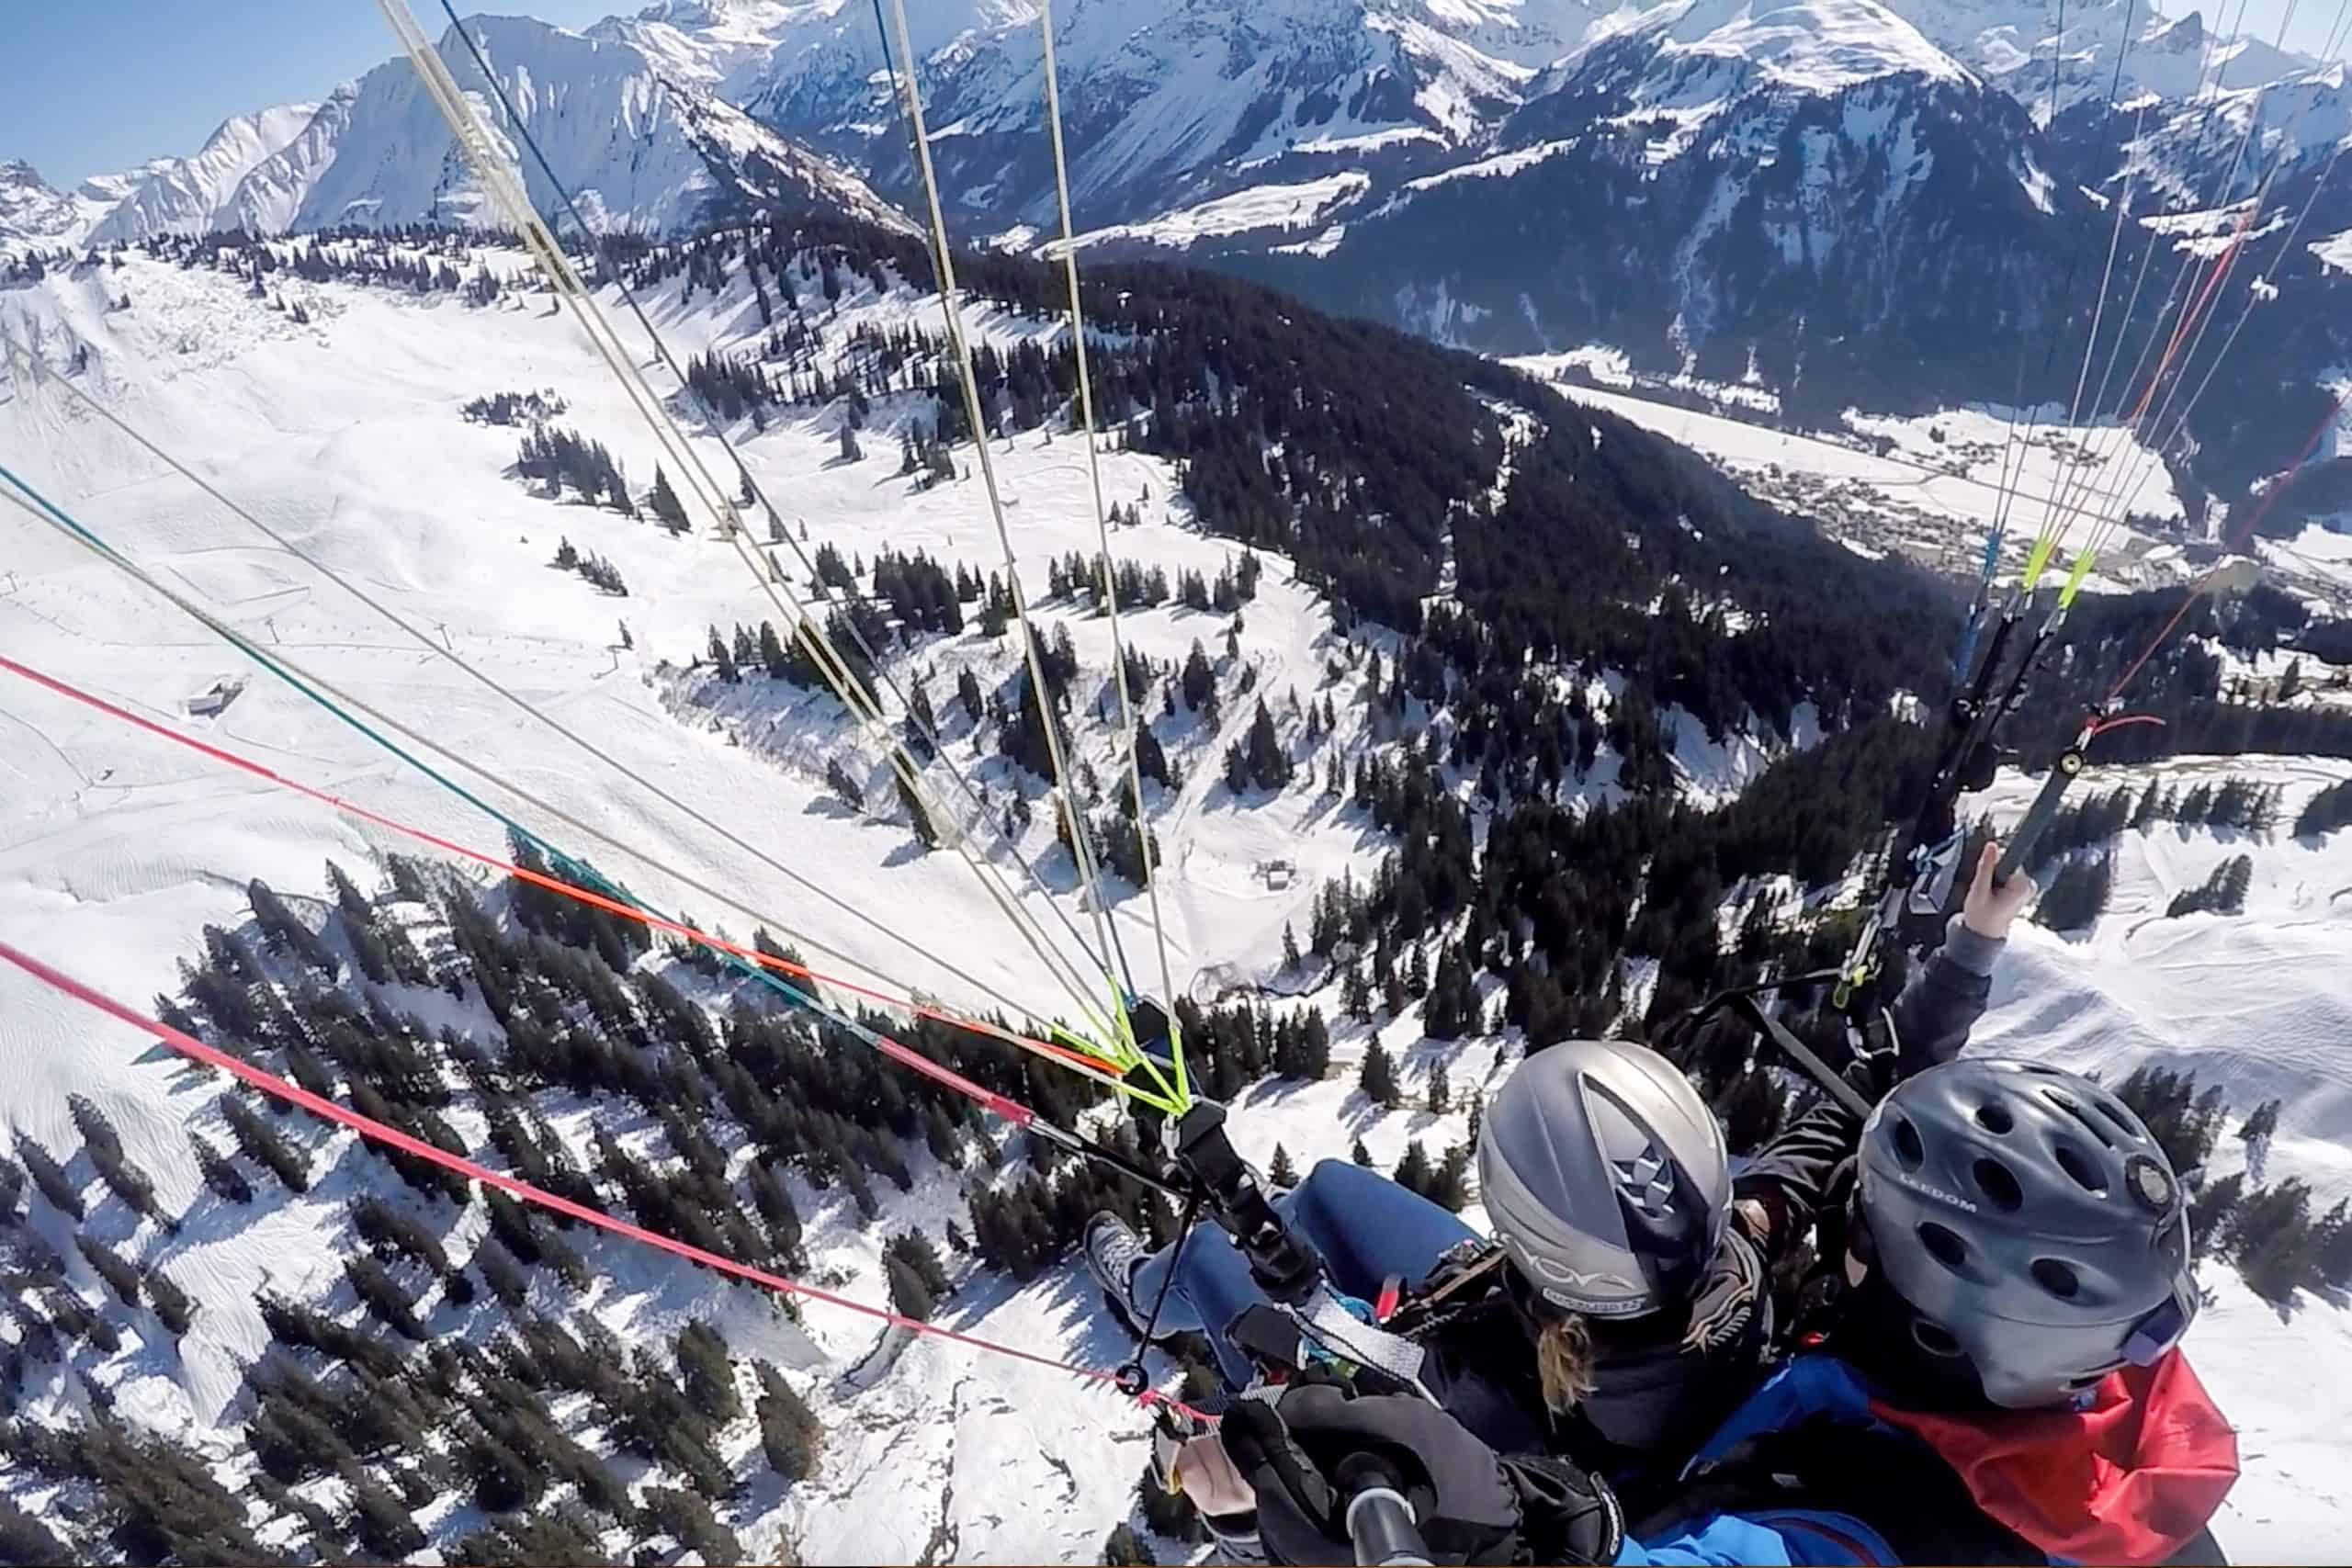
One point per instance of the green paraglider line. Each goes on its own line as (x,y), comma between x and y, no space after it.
(571,868)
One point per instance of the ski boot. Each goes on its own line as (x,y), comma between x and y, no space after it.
(1113,1253)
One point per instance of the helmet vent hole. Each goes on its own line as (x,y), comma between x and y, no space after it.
(1994,1118)
(1934,1338)
(2057,1278)
(1943,1246)
(1907,1145)
(2071,1161)
(2106,1113)
(2000,1185)
(2090,1125)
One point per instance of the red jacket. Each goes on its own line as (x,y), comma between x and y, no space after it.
(2128,1480)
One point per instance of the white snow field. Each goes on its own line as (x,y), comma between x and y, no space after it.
(1927,484)
(346,433)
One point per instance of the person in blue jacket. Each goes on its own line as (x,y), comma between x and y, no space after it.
(1998,1378)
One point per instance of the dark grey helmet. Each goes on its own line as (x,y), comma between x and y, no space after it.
(1605,1178)
(2031,1222)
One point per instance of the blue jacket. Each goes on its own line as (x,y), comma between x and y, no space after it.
(1811,1471)
(1804,1388)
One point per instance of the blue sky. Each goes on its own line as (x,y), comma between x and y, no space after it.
(114,83)
(103,85)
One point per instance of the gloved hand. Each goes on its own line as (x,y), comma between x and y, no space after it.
(1471,1506)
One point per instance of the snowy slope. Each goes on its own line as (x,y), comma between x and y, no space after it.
(198,193)
(2015,45)
(636,150)
(345,431)
(36,215)
(642,144)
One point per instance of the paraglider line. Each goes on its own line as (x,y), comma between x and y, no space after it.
(392,1137)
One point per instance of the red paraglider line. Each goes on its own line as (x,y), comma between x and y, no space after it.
(376,1132)
(1011,1111)
(2236,540)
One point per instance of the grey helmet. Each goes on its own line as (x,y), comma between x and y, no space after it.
(2030,1222)
(1605,1178)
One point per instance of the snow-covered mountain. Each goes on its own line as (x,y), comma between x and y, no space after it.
(1844,201)
(639,146)
(346,428)
(1726,180)
(1162,98)
(636,150)
(2013,46)
(197,194)
(34,213)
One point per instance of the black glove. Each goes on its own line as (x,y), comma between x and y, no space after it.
(1471,1506)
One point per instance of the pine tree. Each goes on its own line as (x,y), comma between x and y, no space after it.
(261,1143)
(1198,681)
(1290,948)
(1449,1187)
(1413,1173)
(24,1538)
(383,1297)
(115,1269)
(2262,1124)
(1378,1078)
(790,1433)
(667,509)
(223,1177)
(707,1374)
(2078,894)
(689,1520)
(2329,809)
(1281,1172)
(50,1179)
(918,814)
(1268,765)
(915,1250)
(174,1308)
(2211,1211)
(387,1229)
(502,1273)
(1360,1155)
(2270,1238)
(909,1296)
(1440,1094)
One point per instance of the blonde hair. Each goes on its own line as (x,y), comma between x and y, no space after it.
(1563,1362)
